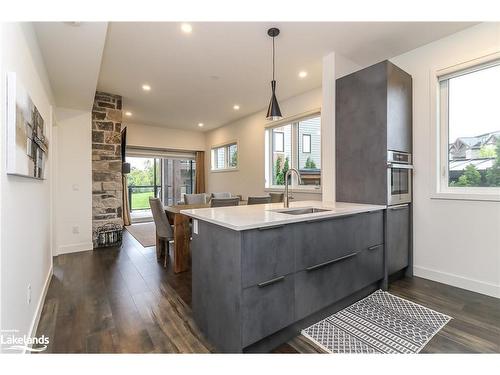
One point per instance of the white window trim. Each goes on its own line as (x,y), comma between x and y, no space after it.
(226,157)
(308,136)
(294,187)
(439,138)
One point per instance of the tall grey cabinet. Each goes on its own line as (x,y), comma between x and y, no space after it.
(374,115)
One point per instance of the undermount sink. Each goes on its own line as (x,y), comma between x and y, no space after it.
(301,211)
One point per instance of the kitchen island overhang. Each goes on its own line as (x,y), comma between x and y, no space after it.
(260,275)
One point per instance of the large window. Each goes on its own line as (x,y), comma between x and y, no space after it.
(295,144)
(225,157)
(469,102)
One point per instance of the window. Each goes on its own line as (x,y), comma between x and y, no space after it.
(295,144)
(225,157)
(469,121)
(279,141)
(306,143)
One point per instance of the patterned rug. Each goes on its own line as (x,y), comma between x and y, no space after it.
(379,323)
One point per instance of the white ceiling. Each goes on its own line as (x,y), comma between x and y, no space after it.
(72,53)
(198,77)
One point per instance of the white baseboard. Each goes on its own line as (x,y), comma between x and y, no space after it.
(39,306)
(74,248)
(458,281)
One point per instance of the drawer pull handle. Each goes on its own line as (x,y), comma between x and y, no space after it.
(270,282)
(271,227)
(397,208)
(374,247)
(321,265)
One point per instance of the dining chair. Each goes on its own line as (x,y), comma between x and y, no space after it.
(195,198)
(224,202)
(277,197)
(222,195)
(164,231)
(259,200)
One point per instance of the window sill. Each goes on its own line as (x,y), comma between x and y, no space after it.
(224,170)
(281,189)
(489,197)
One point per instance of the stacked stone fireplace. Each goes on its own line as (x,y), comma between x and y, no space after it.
(107,186)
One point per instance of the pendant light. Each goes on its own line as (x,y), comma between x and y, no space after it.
(273,111)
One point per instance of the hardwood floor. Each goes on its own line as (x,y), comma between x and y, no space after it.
(123,301)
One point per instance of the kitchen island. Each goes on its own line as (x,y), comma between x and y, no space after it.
(261,273)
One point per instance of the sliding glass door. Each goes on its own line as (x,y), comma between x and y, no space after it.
(178,179)
(162,175)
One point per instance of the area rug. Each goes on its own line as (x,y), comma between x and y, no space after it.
(144,233)
(379,323)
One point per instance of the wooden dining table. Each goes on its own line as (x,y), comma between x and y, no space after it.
(182,233)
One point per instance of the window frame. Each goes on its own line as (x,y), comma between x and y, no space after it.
(269,143)
(439,82)
(225,146)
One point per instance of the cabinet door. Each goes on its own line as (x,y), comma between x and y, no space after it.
(370,266)
(323,240)
(267,308)
(398,232)
(322,284)
(399,110)
(266,253)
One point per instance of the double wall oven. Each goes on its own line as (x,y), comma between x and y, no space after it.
(399,175)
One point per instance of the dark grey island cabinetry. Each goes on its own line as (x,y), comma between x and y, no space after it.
(256,288)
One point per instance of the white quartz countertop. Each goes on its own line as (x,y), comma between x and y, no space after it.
(265,215)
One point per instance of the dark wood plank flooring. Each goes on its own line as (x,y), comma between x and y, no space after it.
(122,301)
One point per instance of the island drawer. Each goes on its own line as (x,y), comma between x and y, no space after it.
(324,283)
(370,266)
(267,308)
(325,239)
(266,253)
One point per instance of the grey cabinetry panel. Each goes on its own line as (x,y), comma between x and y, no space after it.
(398,227)
(370,266)
(368,229)
(267,309)
(399,110)
(322,240)
(360,132)
(319,287)
(268,253)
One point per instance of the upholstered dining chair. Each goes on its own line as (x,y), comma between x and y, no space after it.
(222,195)
(164,231)
(224,202)
(259,200)
(196,198)
(277,197)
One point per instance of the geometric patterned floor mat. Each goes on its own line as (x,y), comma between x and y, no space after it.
(379,323)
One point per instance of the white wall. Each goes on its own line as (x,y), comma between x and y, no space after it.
(455,241)
(73,205)
(162,137)
(25,255)
(249,178)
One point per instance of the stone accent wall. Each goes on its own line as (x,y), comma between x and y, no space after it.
(106,160)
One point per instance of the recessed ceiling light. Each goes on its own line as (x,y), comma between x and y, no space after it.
(236,107)
(303,74)
(186,28)
(146,87)
(128,113)
(200,124)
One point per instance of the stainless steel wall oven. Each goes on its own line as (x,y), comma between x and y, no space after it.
(399,176)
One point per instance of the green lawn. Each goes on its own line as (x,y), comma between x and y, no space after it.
(140,201)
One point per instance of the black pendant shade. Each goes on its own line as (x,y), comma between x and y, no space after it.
(273,111)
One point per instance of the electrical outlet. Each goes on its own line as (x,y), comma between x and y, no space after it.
(76,229)
(29,294)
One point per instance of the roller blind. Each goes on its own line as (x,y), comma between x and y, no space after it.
(159,153)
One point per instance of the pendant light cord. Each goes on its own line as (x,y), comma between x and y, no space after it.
(273,58)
